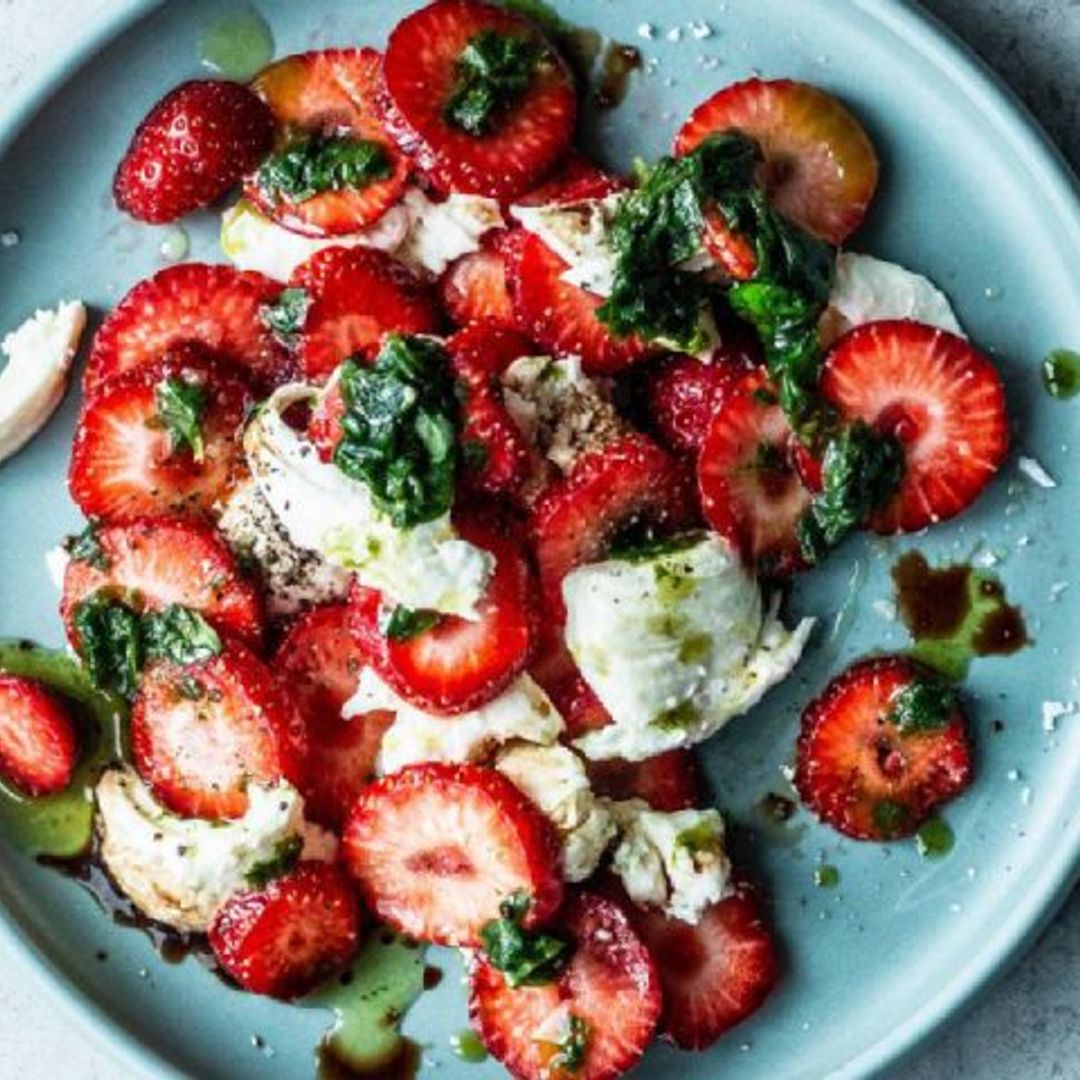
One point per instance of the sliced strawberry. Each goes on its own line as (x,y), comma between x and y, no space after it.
(357,297)
(524,140)
(630,483)
(820,166)
(666,782)
(215,306)
(201,733)
(330,93)
(161,561)
(286,938)
(559,316)
(480,354)
(735,254)
(684,392)
(458,664)
(474,288)
(126,462)
(608,995)
(861,771)
(943,400)
(436,848)
(38,744)
(714,973)
(324,425)
(193,145)
(321,662)
(750,492)
(577,178)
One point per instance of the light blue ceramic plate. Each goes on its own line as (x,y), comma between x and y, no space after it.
(974,196)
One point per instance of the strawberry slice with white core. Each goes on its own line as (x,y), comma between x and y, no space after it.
(201,733)
(820,166)
(215,306)
(437,848)
(593,1022)
(157,562)
(38,743)
(474,289)
(940,397)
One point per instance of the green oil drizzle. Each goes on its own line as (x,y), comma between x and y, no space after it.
(369,1002)
(467,1045)
(826,876)
(934,839)
(237,45)
(1061,374)
(175,244)
(955,614)
(60,826)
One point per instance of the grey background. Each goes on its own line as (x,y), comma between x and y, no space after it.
(1028,1025)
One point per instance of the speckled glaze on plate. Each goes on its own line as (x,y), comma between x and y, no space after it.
(974,196)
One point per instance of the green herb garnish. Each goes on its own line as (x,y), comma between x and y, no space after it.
(643,545)
(180,406)
(890,818)
(86,548)
(493,73)
(286,856)
(285,317)
(524,957)
(405,623)
(927,704)
(311,164)
(571,1049)
(180,635)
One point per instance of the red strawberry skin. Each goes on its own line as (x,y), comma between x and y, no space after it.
(38,743)
(285,939)
(320,662)
(436,848)
(123,465)
(853,762)
(195,144)
(358,296)
(667,782)
(324,426)
(420,69)
(944,401)
(200,734)
(163,561)
(474,288)
(611,984)
(215,306)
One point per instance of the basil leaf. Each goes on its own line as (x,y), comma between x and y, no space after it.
(283,861)
(285,317)
(400,429)
(180,635)
(110,643)
(179,408)
(86,548)
(924,705)
(310,165)
(493,73)
(405,623)
(571,1053)
(525,958)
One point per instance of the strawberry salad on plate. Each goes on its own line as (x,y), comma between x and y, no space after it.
(429,534)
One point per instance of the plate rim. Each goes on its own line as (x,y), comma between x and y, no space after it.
(1044,896)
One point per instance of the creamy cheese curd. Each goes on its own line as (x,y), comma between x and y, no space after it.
(426,566)
(672,861)
(554,778)
(523,711)
(674,645)
(179,870)
(33,382)
(426,235)
(866,290)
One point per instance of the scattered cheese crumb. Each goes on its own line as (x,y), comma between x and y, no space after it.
(675,34)
(1057,589)
(646,31)
(701,29)
(1052,711)
(1035,472)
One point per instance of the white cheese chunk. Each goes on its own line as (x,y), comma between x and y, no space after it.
(33,382)
(179,870)
(440,232)
(674,644)
(554,778)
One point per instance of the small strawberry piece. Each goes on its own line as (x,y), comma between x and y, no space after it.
(481,354)
(526,139)
(562,317)
(332,92)
(859,772)
(195,144)
(735,254)
(436,848)
(215,306)
(324,425)
(201,733)
(630,482)
(714,973)
(38,744)
(809,467)
(750,492)
(820,166)
(474,288)
(610,987)
(285,939)
(458,664)
(667,782)
(358,296)
(576,179)
(942,399)
(125,463)
(320,662)
(685,392)
(161,561)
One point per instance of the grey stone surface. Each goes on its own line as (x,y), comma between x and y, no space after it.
(1028,1024)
